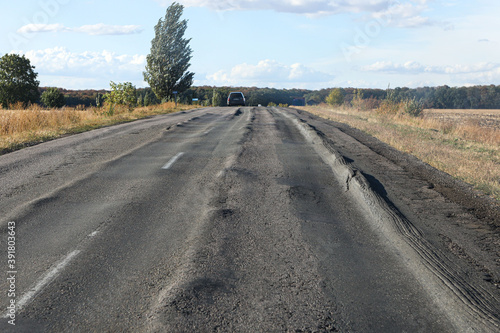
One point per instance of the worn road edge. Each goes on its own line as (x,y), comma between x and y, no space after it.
(390,222)
(25,207)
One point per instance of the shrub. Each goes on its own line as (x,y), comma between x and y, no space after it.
(336,97)
(53,98)
(413,107)
(389,107)
(121,94)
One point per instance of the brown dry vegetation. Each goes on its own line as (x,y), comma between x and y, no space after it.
(21,127)
(464,146)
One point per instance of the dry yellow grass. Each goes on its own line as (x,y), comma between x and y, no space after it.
(23,127)
(465,150)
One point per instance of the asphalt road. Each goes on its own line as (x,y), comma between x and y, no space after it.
(220,220)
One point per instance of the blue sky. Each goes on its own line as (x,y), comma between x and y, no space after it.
(311,44)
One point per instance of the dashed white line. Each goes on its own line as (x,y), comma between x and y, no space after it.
(172,161)
(93,234)
(45,280)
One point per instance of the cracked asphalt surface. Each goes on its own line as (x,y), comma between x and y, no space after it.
(232,220)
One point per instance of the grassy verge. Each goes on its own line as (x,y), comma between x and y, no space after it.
(22,128)
(467,151)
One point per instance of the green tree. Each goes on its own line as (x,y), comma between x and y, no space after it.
(121,94)
(98,100)
(316,97)
(218,99)
(357,100)
(53,98)
(17,80)
(336,97)
(168,62)
(147,99)
(150,97)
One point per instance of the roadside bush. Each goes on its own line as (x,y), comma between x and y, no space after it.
(53,98)
(389,107)
(124,94)
(413,107)
(364,104)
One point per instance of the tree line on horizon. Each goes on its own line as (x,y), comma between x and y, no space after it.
(167,74)
(441,97)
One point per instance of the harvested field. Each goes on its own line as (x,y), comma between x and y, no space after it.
(479,117)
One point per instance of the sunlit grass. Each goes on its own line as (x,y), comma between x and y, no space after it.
(467,151)
(24,127)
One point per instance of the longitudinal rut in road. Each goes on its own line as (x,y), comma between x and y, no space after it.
(285,249)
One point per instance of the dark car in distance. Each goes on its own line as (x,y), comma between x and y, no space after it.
(236,98)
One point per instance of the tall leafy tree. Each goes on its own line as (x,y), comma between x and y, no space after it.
(17,80)
(168,63)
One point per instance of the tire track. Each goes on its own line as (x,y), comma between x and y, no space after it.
(481,306)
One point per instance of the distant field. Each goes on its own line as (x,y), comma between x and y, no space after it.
(466,111)
(481,117)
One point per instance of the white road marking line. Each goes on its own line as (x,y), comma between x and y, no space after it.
(172,161)
(49,277)
(93,234)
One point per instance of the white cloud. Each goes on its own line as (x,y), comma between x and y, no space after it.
(390,67)
(34,28)
(484,67)
(483,73)
(408,14)
(103,29)
(482,78)
(413,67)
(308,7)
(400,13)
(95,29)
(104,65)
(269,73)
(403,15)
